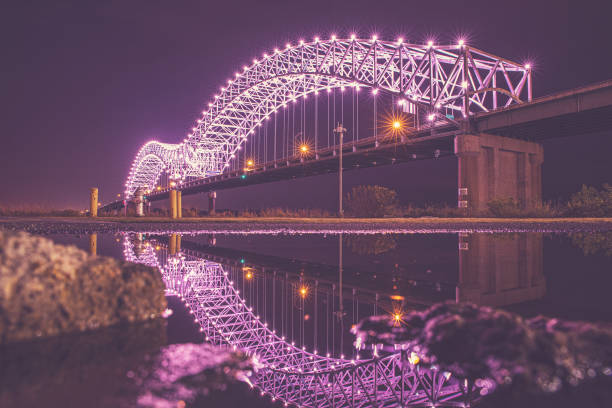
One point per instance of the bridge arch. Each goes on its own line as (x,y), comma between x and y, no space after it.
(442,81)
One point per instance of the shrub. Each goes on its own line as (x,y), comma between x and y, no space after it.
(371,201)
(504,207)
(590,202)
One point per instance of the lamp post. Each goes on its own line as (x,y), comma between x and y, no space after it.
(340,130)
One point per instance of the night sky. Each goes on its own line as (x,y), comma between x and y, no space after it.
(83,84)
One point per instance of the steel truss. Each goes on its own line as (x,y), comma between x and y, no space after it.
(289,373)
(443,81)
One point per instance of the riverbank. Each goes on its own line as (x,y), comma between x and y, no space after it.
(304,225)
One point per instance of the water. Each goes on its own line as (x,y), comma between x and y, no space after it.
(306,291)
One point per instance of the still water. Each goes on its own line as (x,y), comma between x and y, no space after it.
(293,299)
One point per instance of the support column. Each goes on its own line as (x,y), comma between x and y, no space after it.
(212,199)
(179,204)
(93,202)
(494,167)
(172,194)
(139,202)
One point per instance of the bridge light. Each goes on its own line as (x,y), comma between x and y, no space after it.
(265,55)
(250,162)
(431,117)
(374,91)
(400,40)
(316,39)
(288,45)
(429,44)
(374,37)
(342,88)
(304,148)
(461,42)
(333,37)
(397,125)
(158,188)
(353,36)
(255,61)
(528,66)
(464,84)
(301,42)
(303,291)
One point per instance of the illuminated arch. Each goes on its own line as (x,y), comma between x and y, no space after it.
(454,80)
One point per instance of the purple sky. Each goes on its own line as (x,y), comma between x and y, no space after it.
(84,84)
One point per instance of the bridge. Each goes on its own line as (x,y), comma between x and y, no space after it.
(289,373)
(395,101)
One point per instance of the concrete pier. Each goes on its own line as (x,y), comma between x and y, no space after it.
(93,202)
(212,198)
(179,204)
(173,212)
(139,202)
(496,167)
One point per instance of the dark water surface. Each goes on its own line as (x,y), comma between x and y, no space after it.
(311,289)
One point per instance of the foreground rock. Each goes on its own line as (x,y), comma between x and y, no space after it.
(47,289)
(511,360)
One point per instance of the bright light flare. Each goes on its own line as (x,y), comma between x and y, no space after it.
(303,291)
(396,124)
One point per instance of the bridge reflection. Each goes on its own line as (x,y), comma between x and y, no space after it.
(296,315)
(233,305)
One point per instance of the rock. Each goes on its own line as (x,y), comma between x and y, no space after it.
(47,289)
(500,350)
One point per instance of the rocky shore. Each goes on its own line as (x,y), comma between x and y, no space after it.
(48,289)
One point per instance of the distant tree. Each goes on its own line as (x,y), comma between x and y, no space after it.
(371,201)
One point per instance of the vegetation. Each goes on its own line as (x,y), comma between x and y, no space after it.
(371,202)
(37,212)
(590,202)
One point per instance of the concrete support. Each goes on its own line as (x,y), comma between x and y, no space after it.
(212,198)
(500,269)
(139,202)
(494,167)
(93,202)
(179,204)
(172,194)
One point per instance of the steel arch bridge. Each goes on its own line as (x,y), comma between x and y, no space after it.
(288,373)
(439,82)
